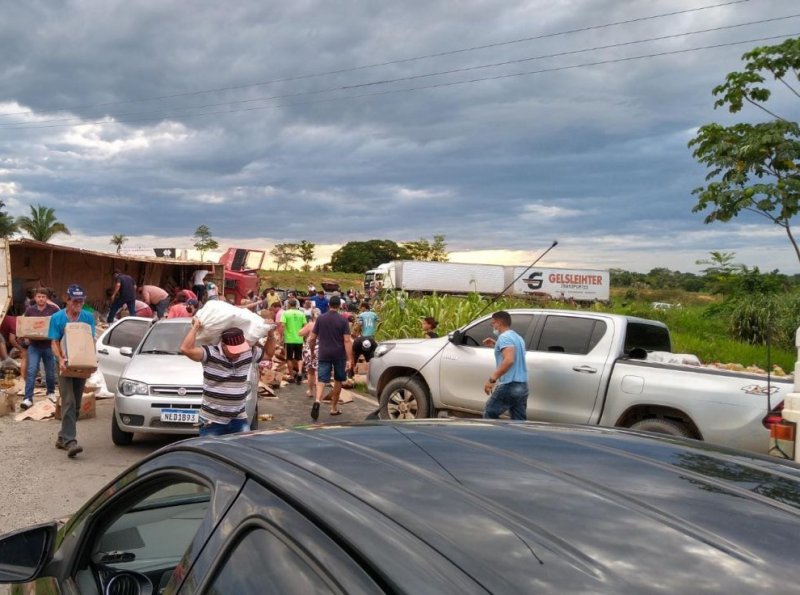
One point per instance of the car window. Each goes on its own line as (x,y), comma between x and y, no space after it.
(165,337)
(475,335)
(567,334)
(126,334)
(649,337)
(264,562)
(145,542)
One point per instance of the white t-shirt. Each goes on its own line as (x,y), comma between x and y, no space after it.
(199,275)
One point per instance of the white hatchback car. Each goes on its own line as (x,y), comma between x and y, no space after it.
(156,388)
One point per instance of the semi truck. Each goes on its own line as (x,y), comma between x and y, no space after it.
(457,278)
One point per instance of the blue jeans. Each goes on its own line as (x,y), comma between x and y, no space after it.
(35,355)
(116,306)
(161,307)
(234,426)
(511,397)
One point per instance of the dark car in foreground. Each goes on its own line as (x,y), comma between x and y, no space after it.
(437,506)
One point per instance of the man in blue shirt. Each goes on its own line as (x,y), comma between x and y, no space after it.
(321,301)
(507,387)
(70,389)
(124,294)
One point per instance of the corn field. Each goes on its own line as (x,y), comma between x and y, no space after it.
(401,315)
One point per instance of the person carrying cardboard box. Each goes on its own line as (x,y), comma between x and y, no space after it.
(70,387)
(39,349)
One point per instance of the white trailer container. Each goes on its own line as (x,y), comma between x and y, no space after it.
(443,277)
(577,284)
(489,279)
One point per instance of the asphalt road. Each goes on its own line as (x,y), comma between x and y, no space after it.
(39,483)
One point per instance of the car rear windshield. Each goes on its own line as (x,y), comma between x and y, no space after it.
(650,337)
(165,338)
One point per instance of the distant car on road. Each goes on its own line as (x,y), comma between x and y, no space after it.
(156,389)
(440,506)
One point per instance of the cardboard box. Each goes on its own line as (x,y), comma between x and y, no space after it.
(33,327)
(78,346)
(88,410)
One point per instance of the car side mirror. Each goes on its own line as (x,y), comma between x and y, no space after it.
(126,351)
(24,553)
(456,337)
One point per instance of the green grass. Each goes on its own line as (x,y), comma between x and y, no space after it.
(299,279)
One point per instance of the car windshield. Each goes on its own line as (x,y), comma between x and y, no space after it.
(165,338)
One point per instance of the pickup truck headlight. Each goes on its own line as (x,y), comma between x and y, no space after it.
(131,387)
(382,349)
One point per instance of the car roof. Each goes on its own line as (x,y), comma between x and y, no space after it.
(513,506)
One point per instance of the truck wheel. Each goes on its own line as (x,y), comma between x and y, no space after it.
(119,436)
(404,398)
(659,425)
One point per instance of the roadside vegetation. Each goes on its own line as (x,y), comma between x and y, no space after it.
(729,313)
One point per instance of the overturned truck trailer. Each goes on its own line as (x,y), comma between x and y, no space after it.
(27,264)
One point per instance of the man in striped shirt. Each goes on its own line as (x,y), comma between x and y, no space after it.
(226,370)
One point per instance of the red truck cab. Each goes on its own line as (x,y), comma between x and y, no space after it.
(240,272)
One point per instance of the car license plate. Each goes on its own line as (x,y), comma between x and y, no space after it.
(183,416)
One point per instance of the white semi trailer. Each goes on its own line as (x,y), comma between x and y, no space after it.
(489,279)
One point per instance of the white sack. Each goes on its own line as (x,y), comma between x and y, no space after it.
(665,357)
(216,316)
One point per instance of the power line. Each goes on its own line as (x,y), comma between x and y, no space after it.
(180,111)
(438,85)
(389,62)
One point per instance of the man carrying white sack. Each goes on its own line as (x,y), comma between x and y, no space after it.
(226,370)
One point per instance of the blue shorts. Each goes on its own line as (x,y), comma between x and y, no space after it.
(338,367)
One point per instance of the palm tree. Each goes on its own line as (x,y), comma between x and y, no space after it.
(42,224)
(118,239)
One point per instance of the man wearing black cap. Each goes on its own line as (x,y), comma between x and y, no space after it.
(226,371)
(70,389)
(335,352)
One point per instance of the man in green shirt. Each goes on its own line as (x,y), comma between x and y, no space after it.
(293,320)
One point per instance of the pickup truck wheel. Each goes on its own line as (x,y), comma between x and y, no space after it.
(404,398)
(660,425)
(119,436)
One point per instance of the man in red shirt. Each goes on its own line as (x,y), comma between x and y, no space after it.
(8,339)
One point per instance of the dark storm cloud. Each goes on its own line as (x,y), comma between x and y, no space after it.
(596,153)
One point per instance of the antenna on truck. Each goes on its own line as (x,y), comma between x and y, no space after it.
(375,414)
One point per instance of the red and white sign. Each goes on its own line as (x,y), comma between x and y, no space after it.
(578,284)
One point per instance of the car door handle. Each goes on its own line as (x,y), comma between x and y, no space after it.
(587,369)
(103,351)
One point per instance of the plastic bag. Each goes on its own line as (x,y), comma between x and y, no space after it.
(216,316)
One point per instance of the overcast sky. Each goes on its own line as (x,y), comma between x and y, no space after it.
(147,119)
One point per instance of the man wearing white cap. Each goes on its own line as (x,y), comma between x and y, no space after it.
(226,371)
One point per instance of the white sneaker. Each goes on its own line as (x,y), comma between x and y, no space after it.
(52,397)
(26,404)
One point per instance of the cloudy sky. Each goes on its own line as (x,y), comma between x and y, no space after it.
(494,123)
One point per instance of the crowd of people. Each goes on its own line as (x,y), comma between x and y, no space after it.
(322,336)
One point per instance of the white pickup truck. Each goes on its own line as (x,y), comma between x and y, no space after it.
(584,368)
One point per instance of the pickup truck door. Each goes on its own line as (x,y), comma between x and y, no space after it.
(567,366)
(464,369)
